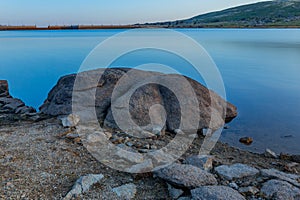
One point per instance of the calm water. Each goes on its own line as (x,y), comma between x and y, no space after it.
(260,68)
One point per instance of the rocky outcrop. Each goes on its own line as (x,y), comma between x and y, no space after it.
(12,109)
(143,99)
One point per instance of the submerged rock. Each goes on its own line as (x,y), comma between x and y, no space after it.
(150,104)
(216,193)
(186,176)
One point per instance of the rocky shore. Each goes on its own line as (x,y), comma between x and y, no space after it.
(42,155)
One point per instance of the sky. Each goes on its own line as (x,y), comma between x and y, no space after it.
(65,12)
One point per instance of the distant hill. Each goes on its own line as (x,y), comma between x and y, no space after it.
(278,13)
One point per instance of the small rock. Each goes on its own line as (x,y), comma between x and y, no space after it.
(246,140)
(130,156)
(270,154)
(236,171)
(71,120)
(129,144)
(143,167)
(83,184)
(126,192)
(185,176)
(216,193)
(274,173)
(250,190)
(280,190)
(206,132)
(72,136)
(204,162)
(233,185)
(173,192)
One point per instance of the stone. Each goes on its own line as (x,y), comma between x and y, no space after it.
(126,192)
(274,173)
(13,104)
(250,190)
(174,192)
(187,176)
(246,140)
(143,167)
(83,184)
(216,193)
(233,185)
(25,110)
(204,162)
(280,190)
(4,92)
(271,154)
(70,121)
(236,171)
(150,106)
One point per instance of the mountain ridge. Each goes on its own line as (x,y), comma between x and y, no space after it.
(278,13)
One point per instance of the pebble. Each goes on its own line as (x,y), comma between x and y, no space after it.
(270,154)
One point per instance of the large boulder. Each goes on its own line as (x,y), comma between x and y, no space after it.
(145,99)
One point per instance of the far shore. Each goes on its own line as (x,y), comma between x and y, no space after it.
(95,27)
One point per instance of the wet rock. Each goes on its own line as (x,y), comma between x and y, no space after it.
(71,120)
(236,171)
(250,190)
(246,140)
(145,104)
(204,162)
(174,192)
(125,192)
(270,154)
(280,190)
(185,176)
(274,173)
(216,193)
(83,184)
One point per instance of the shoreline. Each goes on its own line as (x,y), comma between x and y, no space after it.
(111,27)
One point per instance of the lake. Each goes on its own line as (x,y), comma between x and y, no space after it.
(260,69)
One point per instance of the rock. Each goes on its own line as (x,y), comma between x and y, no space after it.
(146,98)
(143,167)
(204,162)
(185,176)
(83,184)
(269,153)
(250,190)
(233,185)
(126,192)
(174,192)
(11,103)
(236,171)
(274,173)
(246,140)
(70,121)
(25,110)
(216,193)
(280,190)
(130,156)
(4,88)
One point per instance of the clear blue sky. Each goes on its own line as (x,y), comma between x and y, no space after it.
(45,12)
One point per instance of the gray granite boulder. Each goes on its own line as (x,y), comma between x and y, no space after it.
(216,193)
(274,173)
(144,97)
(280,190)
(187,176)
(126,191)
(236,171)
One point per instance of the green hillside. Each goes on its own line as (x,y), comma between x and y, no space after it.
(279,13)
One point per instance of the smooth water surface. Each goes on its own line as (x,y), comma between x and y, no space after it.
(260,68)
